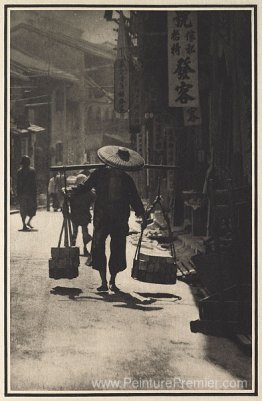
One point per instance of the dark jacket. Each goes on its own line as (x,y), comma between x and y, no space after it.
(115,193)
(80,204)
(26,182)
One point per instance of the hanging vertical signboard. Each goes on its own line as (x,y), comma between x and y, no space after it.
(135,98)
(140,143)
(158,137)
(121,79)
(121,70)
(183,59)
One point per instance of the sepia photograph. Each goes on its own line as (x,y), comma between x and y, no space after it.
(130,200)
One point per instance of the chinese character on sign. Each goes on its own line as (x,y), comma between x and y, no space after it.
(190,49)
(175,35)
(191,36)
(183,68)
(182,90)
(181,19)
(192,116)
(183,59)
(176,49)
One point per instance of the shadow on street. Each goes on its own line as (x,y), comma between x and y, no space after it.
(160,295)
(66,291)
(32,230)
(127,299)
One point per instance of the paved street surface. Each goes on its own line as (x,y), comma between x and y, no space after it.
(67,337)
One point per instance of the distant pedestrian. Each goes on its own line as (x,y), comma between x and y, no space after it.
(80,204)
(26,192)
(12,192)
(59,184)
(115,193)
(54,191)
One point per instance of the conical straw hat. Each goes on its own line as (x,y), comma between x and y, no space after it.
(121,157)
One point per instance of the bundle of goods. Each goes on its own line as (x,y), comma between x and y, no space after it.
(64,260)
(156,268)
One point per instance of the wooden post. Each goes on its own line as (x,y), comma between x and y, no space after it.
(211,204)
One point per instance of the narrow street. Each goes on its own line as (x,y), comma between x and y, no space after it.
(67,337)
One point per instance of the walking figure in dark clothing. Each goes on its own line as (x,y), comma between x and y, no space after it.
(26,192)
(115,193)
(80,204)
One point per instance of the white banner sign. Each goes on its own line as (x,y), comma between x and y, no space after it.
(183,59)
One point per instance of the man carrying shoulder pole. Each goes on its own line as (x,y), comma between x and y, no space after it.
(115,193)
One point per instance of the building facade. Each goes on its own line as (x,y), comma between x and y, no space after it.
(70,94)
(209,133)
(190,106)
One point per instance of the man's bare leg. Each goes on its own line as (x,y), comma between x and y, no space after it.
(112,283)
(104,286)
(29,222)
(25,226)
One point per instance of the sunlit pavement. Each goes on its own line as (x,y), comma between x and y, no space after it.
(75,339)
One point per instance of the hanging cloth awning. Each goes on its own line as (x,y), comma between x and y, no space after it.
(32,129)
(35,129)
